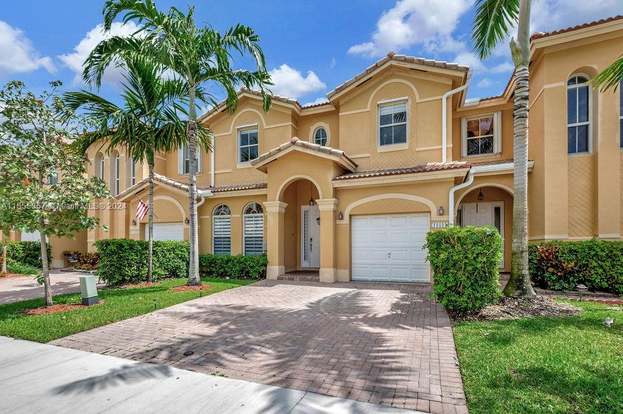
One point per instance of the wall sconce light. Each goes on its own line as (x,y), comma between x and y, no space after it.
(312,202)
(186,220)
(481,196)
(340,216)
(134,222)
(440,211)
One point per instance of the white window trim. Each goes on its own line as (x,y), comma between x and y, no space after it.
(497,134)
(132,171)
(100,167)
(181,159)
(244,228)
(317,126)
(590,114)
(213,226)
(239,130)
(392,147)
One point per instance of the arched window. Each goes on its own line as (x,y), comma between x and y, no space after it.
(320,136)
(578,115)
(221,230)
(99,165)
(115,174)
(253,229)
(130,171)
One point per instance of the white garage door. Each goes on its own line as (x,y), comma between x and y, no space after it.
(390,248)
(166,231)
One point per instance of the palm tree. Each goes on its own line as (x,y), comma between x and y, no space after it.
(611,77)
(493,23)
(146,123)
(197,56)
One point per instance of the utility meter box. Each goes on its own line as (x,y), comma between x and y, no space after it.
(88,290)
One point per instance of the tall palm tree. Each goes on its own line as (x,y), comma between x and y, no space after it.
(146,123)
(611,77)
(198,56)
(493,23)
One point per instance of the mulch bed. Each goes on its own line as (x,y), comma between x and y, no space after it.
(58,308)
(186,288)
(516,308)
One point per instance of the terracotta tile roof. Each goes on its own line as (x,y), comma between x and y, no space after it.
(296,142)
(315,105)
(422,168)
(237,187)
(158,178)
(398,58)
(540,35)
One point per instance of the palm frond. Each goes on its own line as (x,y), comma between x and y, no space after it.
(493,22)
(611,77)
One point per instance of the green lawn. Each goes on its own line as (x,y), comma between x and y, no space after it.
(118,304)
(544,365)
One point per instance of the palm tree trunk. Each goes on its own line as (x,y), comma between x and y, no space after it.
(150,224)
(193,268)
(45,269)
(519,283)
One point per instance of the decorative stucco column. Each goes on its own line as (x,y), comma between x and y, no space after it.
(274,238)
(328,263)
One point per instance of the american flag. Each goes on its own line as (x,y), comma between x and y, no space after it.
(141,210)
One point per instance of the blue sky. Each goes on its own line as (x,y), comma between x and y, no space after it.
(310,46)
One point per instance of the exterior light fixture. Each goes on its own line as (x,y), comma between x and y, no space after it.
(312,202)
(440,211)
(134,222)
(186,220)
(481,196)
(340,216)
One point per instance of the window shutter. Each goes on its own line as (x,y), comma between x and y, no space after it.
(221,235)
(180,160)
(497,132)
(253,234)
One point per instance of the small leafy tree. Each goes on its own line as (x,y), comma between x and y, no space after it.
(45,186)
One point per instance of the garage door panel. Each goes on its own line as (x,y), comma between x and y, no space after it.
(166,231)
(390,248)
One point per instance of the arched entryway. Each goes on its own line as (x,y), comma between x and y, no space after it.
(489,205)
(301,227)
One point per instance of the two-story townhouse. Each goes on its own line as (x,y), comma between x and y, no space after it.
(349,188)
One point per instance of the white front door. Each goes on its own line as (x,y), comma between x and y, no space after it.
(166,231)
(310,236)
(390,248)
(485,214)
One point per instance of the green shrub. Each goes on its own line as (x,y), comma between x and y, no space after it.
(25,252)
(238,267)
(465,263)
(562,265)
(22,269)
(125,261)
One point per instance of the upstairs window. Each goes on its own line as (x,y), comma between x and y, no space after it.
(481,134)
(393,123)
(132,172)
(578,115)
(248,148)
(184,159)
(253,233)
(116,174)
(320,136)
(221,230)
(99,166)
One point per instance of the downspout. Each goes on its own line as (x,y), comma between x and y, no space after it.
(212,168)
(469,181)
(444,117)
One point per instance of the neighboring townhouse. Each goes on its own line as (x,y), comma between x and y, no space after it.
(349,188)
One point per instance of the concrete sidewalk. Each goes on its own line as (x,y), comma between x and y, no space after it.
(48,379)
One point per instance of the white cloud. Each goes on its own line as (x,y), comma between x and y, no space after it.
(504,67)
(82,50)
(17,55)
(429,23)
(290,83)
(316,101)
(484,83)
(557,14)
(470,59)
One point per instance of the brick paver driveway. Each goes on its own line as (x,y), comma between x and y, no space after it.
(380,343)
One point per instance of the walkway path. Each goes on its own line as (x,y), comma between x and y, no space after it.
(18,288)
(37,378)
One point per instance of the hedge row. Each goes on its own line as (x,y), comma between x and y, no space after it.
(238,267)
(124,261)
(465,263)
(562,265)
(25,252)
